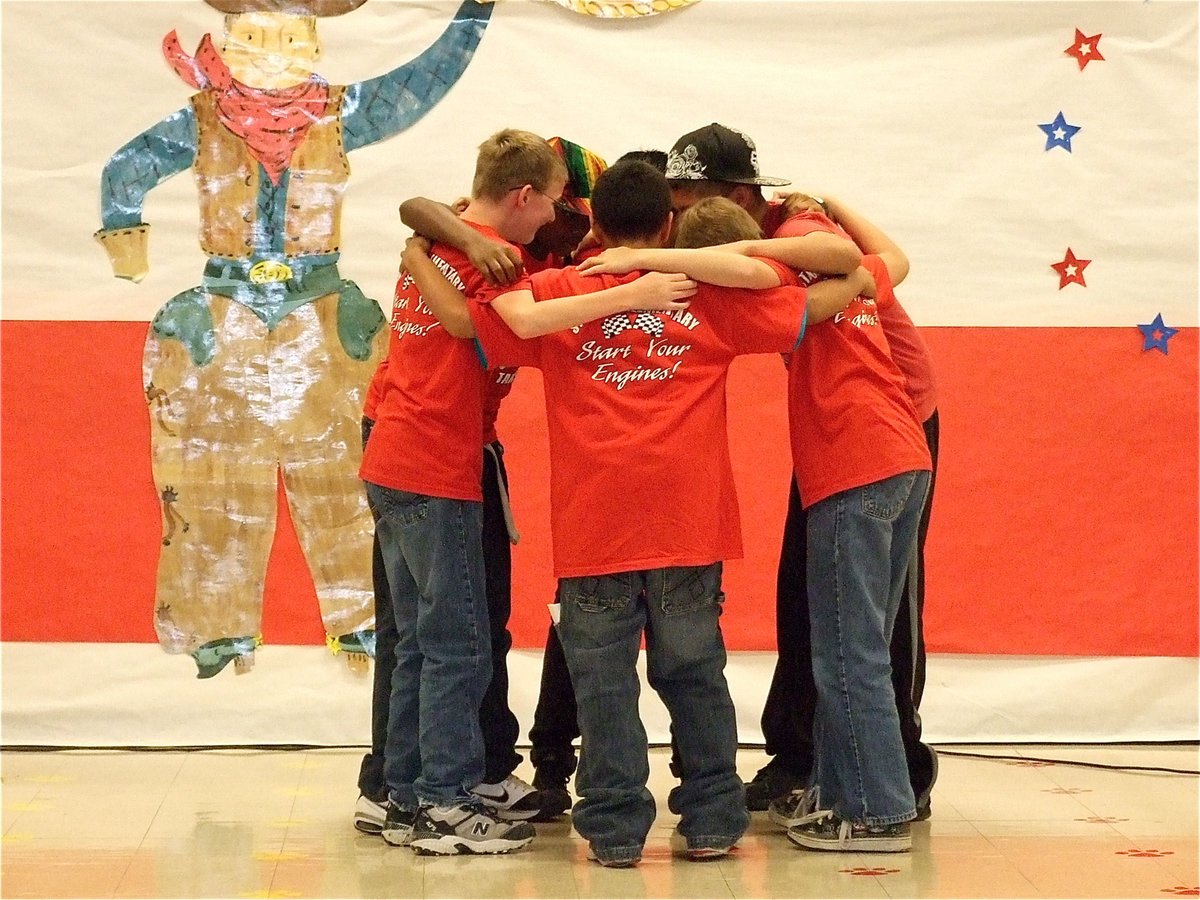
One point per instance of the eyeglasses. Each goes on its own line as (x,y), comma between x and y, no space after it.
(559,204)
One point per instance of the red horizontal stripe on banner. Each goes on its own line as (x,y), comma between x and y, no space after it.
(1065,516)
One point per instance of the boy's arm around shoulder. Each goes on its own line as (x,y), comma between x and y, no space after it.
(498,263)
(712,266)
(829,297)
(447,302)
(529,318)
(816,251)
(870,238)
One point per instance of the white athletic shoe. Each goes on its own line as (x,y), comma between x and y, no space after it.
(511,799)
(369,816)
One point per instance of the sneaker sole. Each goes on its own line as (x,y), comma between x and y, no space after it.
(706,853)
(368,826)
(397,838)
(614,863)
(450,845)
(853,845)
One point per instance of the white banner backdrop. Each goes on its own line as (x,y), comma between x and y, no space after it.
(135,695)
(924,115)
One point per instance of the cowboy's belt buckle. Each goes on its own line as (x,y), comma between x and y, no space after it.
(268,270)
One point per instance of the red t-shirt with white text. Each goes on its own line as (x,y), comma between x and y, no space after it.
(429,401)
(640,473)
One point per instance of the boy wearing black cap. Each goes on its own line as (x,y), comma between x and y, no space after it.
(718,161)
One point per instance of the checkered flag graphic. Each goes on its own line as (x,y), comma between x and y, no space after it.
(643,321)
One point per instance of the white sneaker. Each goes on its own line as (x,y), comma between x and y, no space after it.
(369,816)
(466,828)
(511,799)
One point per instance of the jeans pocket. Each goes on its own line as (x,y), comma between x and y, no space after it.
(885,499)
(402,508)
(598,593)
(685,589)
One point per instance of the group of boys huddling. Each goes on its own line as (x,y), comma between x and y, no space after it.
(634,343)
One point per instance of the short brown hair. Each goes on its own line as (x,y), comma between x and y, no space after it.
(631,201)
(715,220)
(511,159)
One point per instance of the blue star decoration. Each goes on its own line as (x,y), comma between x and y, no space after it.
(1059,133)
(1155,334)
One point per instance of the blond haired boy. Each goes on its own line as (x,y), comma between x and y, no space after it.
(422,466)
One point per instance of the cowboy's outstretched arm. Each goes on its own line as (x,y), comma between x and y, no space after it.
(145,162)
(380,107)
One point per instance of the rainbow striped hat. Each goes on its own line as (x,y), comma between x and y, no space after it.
(583,168)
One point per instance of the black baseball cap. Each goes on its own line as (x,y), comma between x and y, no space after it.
(717,153)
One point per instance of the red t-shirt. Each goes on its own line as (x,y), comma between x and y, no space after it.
(851,420)
(375,390)
(911,357)
(500,380)
(907,346)
(428,406)
(640,474)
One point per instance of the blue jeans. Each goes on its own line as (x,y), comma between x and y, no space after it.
(496,720)
(860,544)
(433,555)
(603,621)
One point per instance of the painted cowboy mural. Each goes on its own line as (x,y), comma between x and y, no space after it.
(259,372)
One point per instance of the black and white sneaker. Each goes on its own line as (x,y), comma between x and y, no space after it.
(796,808)
(466,828)
(398,826)
(369,814)
(830,832)
(511,799)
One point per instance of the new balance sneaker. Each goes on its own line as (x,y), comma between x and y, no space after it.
(770,782)
(834,833)
(466,828)
(398,825)
(511,799)
(369,815)
(554,798)
(796,808)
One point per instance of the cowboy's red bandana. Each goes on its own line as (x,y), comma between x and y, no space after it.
(272,123)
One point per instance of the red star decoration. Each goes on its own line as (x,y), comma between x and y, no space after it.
(1070,270)
(1085,49)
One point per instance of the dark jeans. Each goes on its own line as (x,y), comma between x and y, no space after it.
(787,719)
(432,550)
(555,719)
(604,620)
(496,719)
